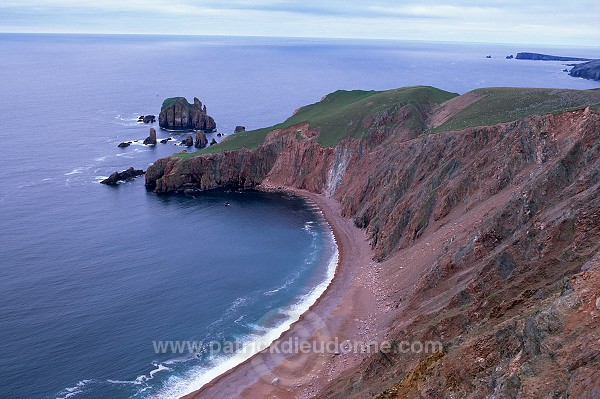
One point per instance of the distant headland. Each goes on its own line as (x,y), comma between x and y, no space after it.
(546,57)
(586,70)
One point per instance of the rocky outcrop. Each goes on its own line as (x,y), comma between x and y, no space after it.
(147,119)
(151,139)
(587,70)
(201,140)
(545,57)
(239,129)
(177,114)
(126,175)
(188,141)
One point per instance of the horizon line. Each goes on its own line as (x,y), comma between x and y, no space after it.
(371,39)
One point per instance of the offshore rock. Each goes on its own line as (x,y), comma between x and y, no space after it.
(151,140)
(177,114)
(125,175)
(147,118)
(201,140)
(188,141)
(239,129)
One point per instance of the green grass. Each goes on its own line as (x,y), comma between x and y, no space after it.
(339,115)
(347,113)
(499,105)
(170,101)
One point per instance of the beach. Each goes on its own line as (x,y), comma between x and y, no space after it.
(348,312)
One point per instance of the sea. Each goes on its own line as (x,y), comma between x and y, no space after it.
(94,279)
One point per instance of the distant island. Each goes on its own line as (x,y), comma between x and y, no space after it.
(545,57)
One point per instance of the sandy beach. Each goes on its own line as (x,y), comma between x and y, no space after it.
(348,312)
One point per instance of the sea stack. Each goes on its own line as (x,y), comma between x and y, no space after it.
(201,140)
(151,140)
(177,114)
(188,141)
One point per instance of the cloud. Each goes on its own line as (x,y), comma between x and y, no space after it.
(549,22)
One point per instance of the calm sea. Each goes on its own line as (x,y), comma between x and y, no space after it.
(92,277)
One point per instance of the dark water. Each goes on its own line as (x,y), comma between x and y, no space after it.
(91,275)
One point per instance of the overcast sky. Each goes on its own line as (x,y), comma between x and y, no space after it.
(574,22)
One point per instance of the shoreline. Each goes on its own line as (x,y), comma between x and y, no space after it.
(328,319)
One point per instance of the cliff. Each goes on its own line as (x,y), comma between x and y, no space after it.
(492,196)
(177,114)
(545,57)
(587,70)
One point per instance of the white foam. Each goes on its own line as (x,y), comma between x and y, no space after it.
(141,379)
(196,378)
(159,368)
(236,304)
(76,171)
(74,390)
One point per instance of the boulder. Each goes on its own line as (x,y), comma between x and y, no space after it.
(239,129)
(188,141)
(151,140)
(177,114)
(213,142)
(125,175)
(201,140)
(124,144)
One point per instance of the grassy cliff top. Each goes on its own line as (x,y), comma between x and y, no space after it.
(172,100)
(485,107)
(340,114)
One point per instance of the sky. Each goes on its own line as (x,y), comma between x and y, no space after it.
(573,22)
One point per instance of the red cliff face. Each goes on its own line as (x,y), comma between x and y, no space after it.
(507,216)
(503,224)
(394,189)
